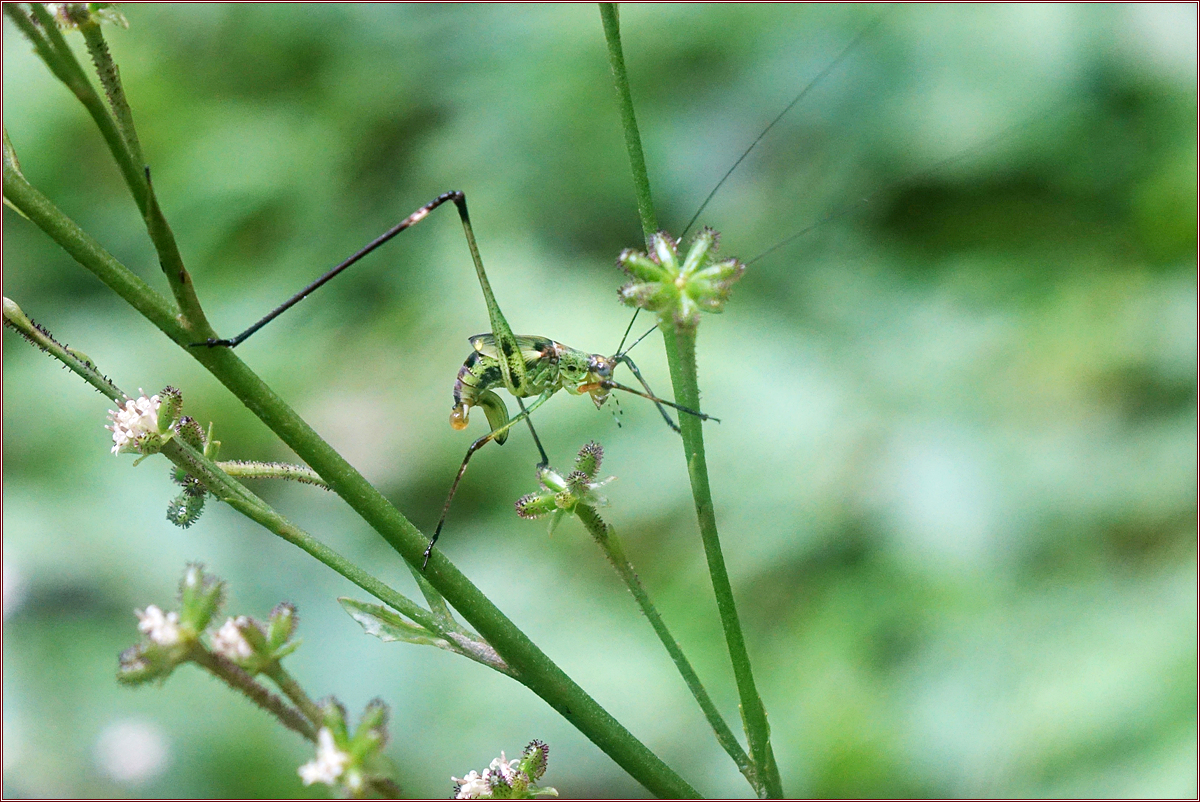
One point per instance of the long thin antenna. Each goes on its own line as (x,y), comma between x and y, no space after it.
(621,353)
(908,179)
(628,329)
(828,68)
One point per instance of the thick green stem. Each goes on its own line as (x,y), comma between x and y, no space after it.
(681,358)
(535,669)
(607,539)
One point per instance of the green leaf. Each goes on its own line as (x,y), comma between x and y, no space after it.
(387,625)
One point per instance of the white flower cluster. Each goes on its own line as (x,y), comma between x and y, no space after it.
(139,417)
(162,628)
(229,642)
(330,761)
(479,786)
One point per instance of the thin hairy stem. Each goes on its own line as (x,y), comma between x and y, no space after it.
(608,541)
(292,690)
(121,138)
(680,345)
(240,681)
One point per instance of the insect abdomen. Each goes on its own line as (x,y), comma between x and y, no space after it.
(477,374)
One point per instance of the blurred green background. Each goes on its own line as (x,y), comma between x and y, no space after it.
(955,474)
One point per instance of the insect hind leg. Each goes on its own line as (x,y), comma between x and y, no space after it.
(420,214)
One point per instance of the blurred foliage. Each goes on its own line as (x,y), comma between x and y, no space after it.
(956,470)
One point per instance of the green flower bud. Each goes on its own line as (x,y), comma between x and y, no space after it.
(534,759)
(371,734)
(185,509)
(200,597)
(190,432)
(170,405)
(281,625)
(333,716)
(561,496)
(144,663)
(589,459)
(535,505)
(676,291)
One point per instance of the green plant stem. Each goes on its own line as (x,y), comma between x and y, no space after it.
(681,358)
(110,79)
(633,138)
(122,143)
(243,469)
(608,541)
(535,670)
(292,690)
(239,680)
(52,48)
(222,485)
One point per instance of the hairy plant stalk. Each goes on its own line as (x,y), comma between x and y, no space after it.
(51,48)
(292,690)
(608,541)
(240,681)
(680,343)
(122,141)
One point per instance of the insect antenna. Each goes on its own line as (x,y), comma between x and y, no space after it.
(811,84)
(628,329)
(621,353)
(800,96)
(911,178)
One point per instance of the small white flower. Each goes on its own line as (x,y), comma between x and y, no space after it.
(479,786)
(329,764)
(138,418)
(504,767)
(229,642)
(472,786)
(163,628)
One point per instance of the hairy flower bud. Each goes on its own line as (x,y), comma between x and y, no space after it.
(679,291)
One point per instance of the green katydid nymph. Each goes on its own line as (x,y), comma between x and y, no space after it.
(538,367)
(526,366)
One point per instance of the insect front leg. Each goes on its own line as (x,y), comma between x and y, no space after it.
(638,375)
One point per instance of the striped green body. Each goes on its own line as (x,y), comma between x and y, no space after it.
(542,366)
